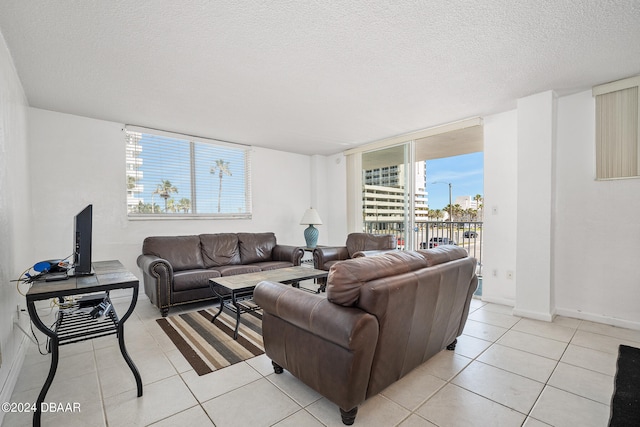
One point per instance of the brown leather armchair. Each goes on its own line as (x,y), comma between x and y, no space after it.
(357,245)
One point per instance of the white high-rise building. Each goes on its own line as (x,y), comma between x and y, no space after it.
(384,198)
(134,174)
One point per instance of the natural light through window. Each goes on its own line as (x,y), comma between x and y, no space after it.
(171,175)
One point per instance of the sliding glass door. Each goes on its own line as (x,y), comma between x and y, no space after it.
(394,183)
(386,189)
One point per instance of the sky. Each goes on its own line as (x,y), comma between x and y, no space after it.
(465,173)
(171,162)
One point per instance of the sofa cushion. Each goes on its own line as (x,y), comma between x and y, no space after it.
(272,265)
(232,270)
(357,242)
(182,252)
(256,247)
(442,254)
(192,279)
(347,277)
(220,249)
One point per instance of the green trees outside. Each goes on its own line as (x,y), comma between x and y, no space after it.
(164,190)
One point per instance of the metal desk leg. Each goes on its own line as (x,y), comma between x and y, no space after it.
(54,361)
(121,343)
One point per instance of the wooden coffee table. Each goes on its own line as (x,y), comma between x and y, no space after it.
(236,292)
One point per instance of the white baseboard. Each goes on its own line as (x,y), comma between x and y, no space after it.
(598,318)
(14,372)
(536,315)
(501,301)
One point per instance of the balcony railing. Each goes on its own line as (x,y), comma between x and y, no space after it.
(428,234)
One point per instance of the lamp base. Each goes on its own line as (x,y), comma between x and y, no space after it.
(311,236)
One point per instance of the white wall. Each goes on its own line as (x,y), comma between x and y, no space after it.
(597,230)
(535,215)
(76,161)
(501,203)
(15,236)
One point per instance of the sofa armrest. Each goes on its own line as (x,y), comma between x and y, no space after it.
(347,327)
(361,254)
(328,347)
(328,253)
(157,274)
(292,254)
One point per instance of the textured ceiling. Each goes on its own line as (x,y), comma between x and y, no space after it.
(313,77)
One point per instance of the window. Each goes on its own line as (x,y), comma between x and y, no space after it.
(172,175)
(617,132)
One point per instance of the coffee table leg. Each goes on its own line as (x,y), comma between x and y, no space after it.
(235,304)
(221,304)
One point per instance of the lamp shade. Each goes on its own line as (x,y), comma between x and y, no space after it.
(311,217)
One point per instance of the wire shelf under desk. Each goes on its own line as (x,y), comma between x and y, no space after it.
(75,324)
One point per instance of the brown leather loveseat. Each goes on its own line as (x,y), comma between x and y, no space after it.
(381,318)
(176,269)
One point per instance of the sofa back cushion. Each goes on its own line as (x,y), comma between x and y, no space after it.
(442,254)
(357,242)
(256,247)
(220,249)
(182,252)
(347,277)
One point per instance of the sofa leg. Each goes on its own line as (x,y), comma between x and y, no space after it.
(277,368)
(164,311)
(348,417)
(452,346)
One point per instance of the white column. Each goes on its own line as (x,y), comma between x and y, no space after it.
(535,206)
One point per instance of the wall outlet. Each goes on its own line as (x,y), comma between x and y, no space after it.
(510,275)
(495,272)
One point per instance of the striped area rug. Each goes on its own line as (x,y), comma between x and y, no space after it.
(209,347)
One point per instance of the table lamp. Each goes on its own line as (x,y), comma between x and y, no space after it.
(310,218)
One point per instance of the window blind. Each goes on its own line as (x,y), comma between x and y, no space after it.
(617,129)
(172,175)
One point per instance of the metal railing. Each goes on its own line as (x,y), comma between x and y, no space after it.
(429,234)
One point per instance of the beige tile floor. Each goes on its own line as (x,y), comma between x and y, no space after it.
(506,371)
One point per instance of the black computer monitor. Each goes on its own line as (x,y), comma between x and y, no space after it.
(82,228)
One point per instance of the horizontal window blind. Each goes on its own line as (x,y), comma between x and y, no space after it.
(170,175)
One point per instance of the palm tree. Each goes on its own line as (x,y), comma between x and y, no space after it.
(184,205)
(131,182)
(479,204)
(164,189)
(222,168)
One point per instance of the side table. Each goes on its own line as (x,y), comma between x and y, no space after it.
(74,325)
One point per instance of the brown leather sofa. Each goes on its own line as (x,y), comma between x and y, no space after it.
(382,317)
(176,269)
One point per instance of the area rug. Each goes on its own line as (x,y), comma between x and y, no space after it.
(210,346)
(625,403)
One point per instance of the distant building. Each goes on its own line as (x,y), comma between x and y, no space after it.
(466,202)
(383,198)
(134,174)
